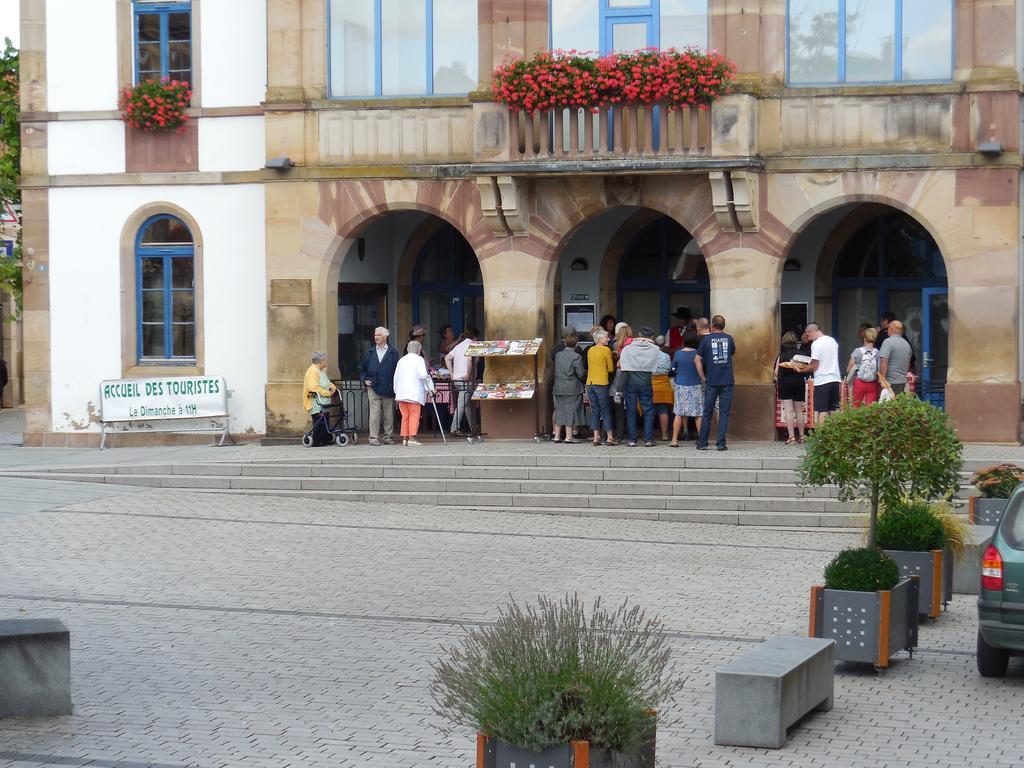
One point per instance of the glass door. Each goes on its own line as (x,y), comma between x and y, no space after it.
(934,345)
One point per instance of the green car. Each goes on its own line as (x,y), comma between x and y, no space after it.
(1001,599)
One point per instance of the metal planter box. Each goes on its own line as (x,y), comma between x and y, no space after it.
(986,511)
(867,626)
(495,753)
(933,568)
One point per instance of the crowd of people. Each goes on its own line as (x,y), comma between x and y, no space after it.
(678,381)
(879,365)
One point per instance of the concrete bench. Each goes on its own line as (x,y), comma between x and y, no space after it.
(35,668)
(760,694)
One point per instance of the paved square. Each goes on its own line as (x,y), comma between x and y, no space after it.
(235,630)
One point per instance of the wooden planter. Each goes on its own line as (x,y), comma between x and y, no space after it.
(495,753)
(935,569)
(868,627)
(982,511)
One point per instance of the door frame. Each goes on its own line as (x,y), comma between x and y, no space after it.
(926,343)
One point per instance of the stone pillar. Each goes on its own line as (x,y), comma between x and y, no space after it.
(751,34)
(745,289)
(35,212)
(985,46)
(295,300)
(518,304)
(980,244)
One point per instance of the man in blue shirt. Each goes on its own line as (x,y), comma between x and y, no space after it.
(714,365)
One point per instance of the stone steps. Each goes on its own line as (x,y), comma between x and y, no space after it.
(669,486)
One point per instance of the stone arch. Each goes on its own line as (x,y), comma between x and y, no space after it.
(129,362)
(801,222)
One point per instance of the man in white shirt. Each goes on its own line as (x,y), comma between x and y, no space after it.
(825,365)
(463,373)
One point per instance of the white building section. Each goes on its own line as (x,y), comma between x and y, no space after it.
(85,146)
(232,144)
(233,42)
(81,60)
(86,226)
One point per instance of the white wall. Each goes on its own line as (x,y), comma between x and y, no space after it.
(233,42)
(85,292)
(231,144)
(81,55)
(85,146)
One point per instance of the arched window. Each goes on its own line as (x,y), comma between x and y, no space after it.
(165,290)
(448,288)
(892,264)
(662,269)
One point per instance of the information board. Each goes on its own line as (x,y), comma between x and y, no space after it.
(173,397)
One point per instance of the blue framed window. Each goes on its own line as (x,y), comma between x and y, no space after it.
(869,41)
(402,48)
(662,268)
(447,284)
(607,26)
(163,40)
(892,264)
(165,290)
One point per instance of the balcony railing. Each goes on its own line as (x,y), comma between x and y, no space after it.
(621,131)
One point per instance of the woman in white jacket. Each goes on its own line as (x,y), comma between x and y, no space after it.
(412,382)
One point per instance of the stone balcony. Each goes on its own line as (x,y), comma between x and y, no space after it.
(822,127)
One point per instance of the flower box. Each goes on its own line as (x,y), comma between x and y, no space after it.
(495,753)
(982,511)
(867,627)
(935,570)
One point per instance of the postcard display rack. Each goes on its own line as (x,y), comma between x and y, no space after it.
(510,390)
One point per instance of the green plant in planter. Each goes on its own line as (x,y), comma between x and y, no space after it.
(910,525)
(861,570)
(998,482)
(884,452)
(546,675)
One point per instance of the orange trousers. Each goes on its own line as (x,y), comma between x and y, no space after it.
(410,418)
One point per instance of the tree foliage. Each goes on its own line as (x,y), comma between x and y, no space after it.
(10,136)
(10,163)
(884,452)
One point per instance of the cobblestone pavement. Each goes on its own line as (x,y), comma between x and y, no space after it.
(240,631)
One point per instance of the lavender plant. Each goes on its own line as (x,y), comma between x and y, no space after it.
(548,674)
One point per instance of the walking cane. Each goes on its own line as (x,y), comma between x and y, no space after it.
(440,424)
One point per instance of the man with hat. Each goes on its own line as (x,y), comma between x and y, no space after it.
(674,335)
(419,333)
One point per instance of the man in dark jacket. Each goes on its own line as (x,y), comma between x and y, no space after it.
(377,372)
(3,380)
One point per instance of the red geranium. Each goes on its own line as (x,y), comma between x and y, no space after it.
(568,79)
(156,105)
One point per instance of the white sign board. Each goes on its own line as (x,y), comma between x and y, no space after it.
(184,397)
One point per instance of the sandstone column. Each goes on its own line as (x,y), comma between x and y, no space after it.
(745,289)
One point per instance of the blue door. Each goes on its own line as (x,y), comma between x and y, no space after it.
(934,345)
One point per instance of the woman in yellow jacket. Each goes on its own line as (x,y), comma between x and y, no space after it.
(316,382)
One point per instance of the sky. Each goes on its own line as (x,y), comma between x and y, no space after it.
(9,20)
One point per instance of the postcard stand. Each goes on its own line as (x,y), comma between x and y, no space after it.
(511,390)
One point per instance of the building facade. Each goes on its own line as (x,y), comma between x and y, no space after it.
(868,160)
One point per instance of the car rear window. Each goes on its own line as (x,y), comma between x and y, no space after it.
(1012,526)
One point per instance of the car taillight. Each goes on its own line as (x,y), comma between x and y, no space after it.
(992,569)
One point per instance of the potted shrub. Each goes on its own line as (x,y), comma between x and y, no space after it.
(915,538)
(884,452)
(866,607)
(995,484)
(553,685)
